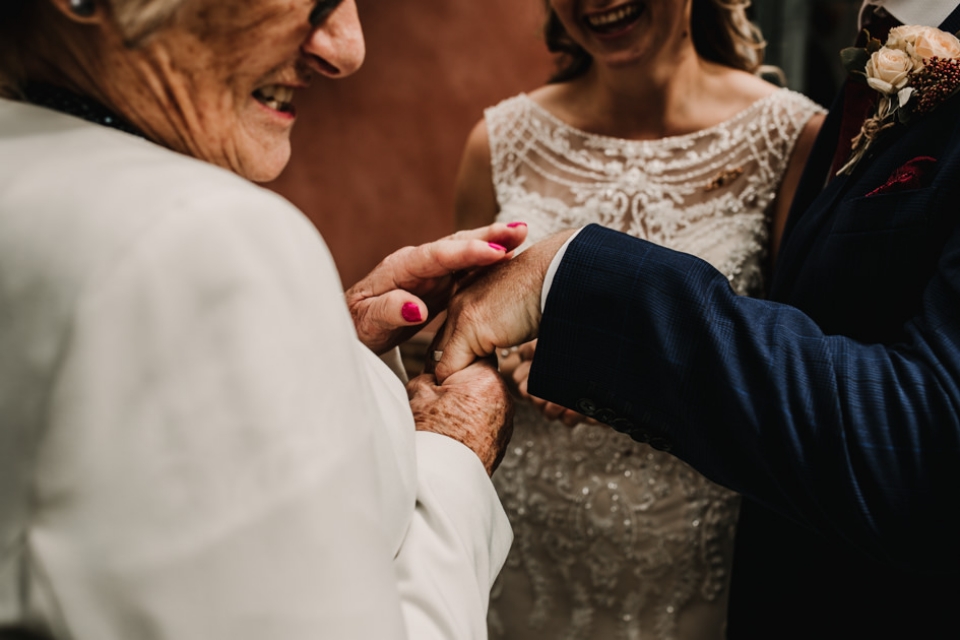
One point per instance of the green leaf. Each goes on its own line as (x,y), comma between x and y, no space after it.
(854,59)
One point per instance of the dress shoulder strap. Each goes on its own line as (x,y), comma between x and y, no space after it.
(509,129)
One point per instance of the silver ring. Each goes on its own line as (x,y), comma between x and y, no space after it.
(437,355)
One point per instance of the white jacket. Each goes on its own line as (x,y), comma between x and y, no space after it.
(193,443)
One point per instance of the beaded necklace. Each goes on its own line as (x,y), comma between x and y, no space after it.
(65,101)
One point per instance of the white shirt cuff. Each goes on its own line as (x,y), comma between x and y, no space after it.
(552,270)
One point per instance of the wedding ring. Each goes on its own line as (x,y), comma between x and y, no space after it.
(437,355)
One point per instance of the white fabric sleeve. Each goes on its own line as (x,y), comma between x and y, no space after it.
(394,361)
(456,546)
(208,469)
(552,270)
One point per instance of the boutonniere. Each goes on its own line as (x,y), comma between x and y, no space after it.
(917,69)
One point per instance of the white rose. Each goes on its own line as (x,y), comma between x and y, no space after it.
(888,70)
(932,43)
(905,38)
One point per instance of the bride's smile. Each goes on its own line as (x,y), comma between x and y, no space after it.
(614,22)
(622,32)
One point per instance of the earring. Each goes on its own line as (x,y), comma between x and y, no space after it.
(83,8)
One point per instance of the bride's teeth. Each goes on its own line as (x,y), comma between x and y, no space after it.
(613,16)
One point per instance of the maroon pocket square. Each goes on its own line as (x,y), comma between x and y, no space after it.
(910,176)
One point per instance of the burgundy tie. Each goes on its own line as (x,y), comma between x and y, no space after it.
(858,98)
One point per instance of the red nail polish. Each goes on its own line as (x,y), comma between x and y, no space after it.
(411,313)
(514,225)
(496,246)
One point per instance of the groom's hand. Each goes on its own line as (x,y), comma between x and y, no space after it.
(472,406)
(414,284)
(500,308)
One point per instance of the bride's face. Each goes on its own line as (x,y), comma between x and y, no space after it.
(622,32)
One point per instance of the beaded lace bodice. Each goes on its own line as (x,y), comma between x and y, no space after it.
(614,539)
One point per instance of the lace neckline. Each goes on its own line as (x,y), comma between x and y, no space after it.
(748,112)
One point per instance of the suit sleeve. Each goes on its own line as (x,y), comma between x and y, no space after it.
(209,466)
(858,441)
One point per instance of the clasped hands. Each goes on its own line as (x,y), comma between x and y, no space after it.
(463,397)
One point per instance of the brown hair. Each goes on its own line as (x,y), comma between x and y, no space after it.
(722,33)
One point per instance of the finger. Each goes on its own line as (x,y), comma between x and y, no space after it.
(527,350)
(478,373)
(520,376)
(553,411)
(509,361)
(454,350)
(509,235)
(571,418)
(379,315)
(437,260)
(423,385)
(413,267)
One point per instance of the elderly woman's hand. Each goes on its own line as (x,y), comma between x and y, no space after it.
(472,406)
(414,284)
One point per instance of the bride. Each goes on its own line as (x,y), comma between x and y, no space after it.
(655,125)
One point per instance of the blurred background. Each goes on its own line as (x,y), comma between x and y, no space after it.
(383,146)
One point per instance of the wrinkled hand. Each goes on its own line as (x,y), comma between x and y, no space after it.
(414,284)
(516,368)
(500,308)
(472,406)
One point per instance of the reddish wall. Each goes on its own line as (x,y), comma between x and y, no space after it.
(375,155)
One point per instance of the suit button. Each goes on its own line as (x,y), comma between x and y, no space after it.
(660,444)
(587,407)
(606,416)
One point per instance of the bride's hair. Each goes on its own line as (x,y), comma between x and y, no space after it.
(721,31)
(137,19)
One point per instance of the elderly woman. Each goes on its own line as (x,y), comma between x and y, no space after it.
(193,441)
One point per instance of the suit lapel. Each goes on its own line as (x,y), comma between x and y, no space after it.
(813,204)
(952,23)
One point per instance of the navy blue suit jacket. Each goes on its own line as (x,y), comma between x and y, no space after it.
(834,406)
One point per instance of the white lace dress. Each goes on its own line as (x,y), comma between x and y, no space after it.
(613,539)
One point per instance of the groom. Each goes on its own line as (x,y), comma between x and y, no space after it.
(834,407)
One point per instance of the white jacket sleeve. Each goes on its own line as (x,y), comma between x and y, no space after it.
(208,468)
(456,546)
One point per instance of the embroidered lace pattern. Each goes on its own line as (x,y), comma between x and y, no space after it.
(613,539)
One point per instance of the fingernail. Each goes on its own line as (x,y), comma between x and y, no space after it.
(494,245)
(514,225)
(411,312)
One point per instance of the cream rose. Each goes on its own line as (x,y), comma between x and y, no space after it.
(932,43)
(905,38)
(888,70)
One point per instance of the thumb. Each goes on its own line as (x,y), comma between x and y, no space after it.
(423,384)
(454,350)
